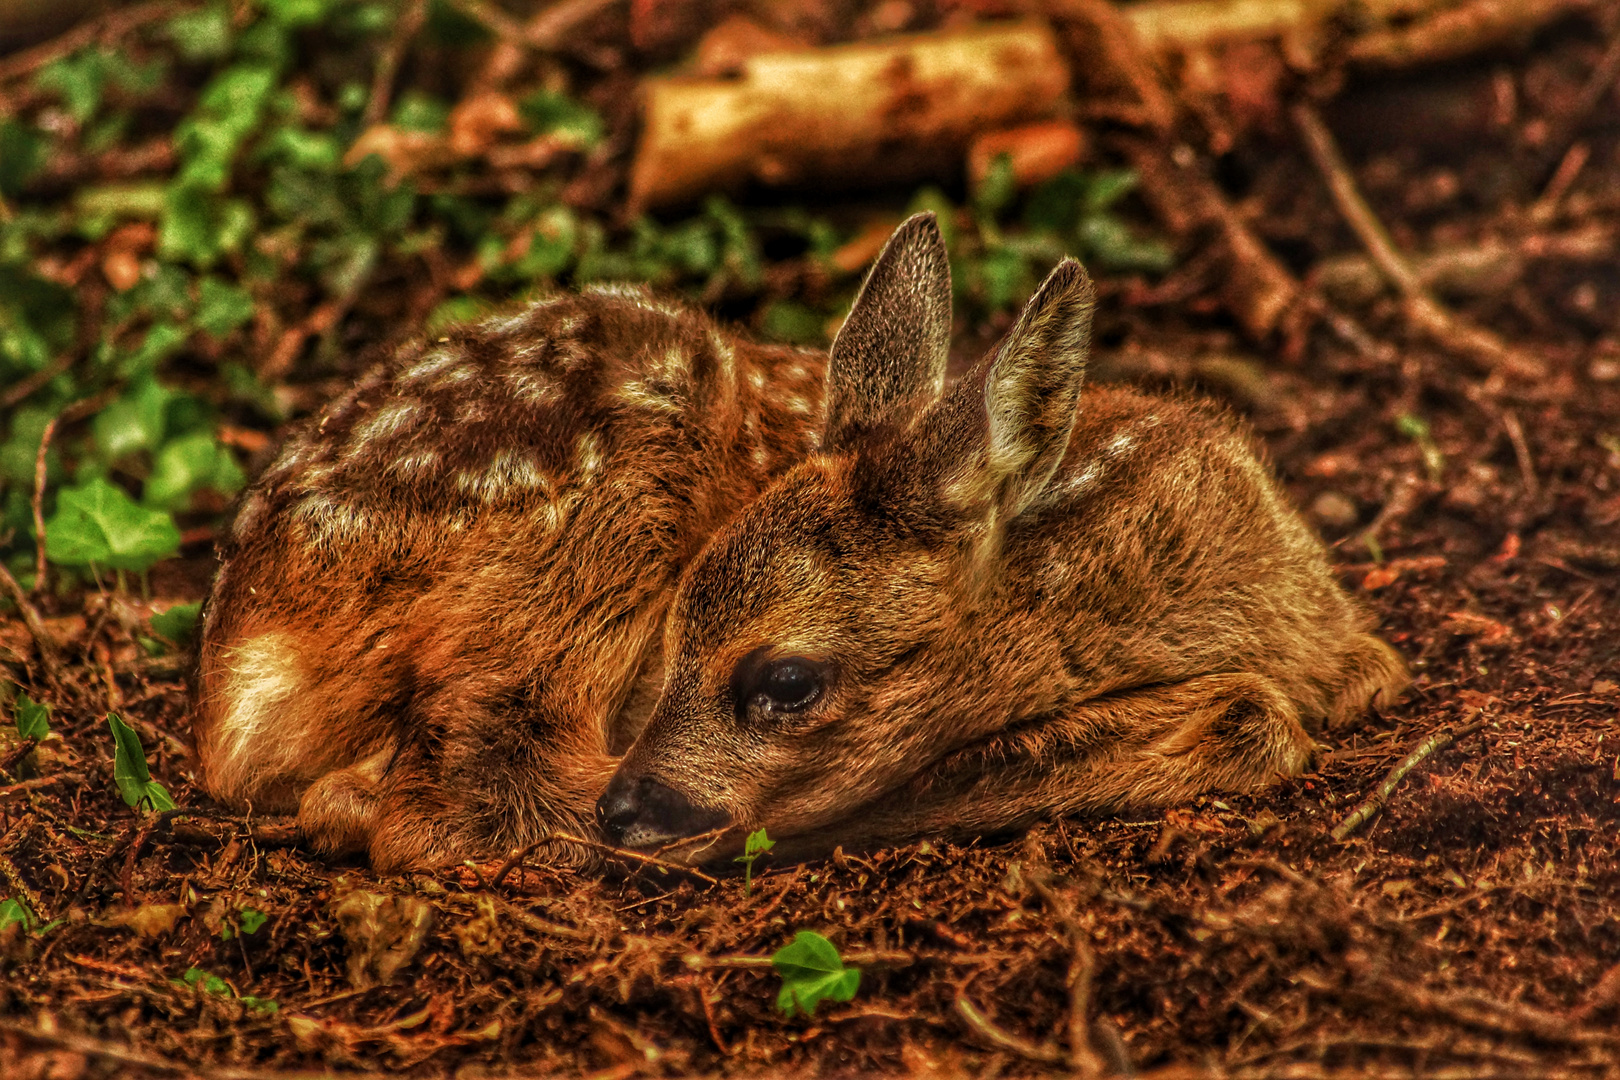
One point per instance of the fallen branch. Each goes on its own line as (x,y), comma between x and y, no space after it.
(892,110)
(1372,804)
(123,1055)
(1423,311)
(1083,1058)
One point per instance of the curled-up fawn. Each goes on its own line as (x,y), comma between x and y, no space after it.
(852,609)
(437,619)
(974,608)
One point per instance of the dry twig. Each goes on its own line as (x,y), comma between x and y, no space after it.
(632,856)
(1369,807)
(36,625)
(406,26)
(39,505)
(981,1025)
(113,24)
(1425,313)
(39,783)
(10,758)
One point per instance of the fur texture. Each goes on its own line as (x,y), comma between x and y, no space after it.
(1014,601)
(597,528)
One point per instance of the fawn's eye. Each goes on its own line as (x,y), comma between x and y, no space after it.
(787,686)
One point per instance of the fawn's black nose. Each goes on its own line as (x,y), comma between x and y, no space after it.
(639,812)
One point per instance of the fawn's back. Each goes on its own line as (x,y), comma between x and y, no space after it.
(436,617)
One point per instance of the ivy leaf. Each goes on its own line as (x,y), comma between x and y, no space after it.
(133,422)
(188,464)
(251,921)
(134,781)
(31,717)
(222,307)
(178,624)
(812,972)
(96,524)
(15,911)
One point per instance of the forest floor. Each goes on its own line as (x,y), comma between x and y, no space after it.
(1471,929)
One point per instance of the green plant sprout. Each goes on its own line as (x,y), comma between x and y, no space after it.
(31,717)
(812,972)
(213,984)
(130,773)
(758,843)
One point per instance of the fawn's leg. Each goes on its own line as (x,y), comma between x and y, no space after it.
(1152,747)
(338,813)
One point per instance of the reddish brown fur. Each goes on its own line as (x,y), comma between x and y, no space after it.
(1017,613)
(437,619)
(440,613)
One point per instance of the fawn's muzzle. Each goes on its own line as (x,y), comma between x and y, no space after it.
(640,812)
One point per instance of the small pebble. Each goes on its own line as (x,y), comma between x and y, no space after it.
(1332,508)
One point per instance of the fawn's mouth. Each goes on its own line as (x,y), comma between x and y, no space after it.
(643,812)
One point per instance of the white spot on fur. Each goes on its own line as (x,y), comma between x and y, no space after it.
(797,404)
(1120,444)
(534,387)
(429,366)
(589,452)
(635,392)
(756,379)
(261,676)
(391,420)
(417,465)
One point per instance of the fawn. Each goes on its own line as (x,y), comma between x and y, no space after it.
(436,622)
(853,609)
(970,609)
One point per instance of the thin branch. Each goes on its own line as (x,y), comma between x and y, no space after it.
(1083,1057)
(406,27)
(36,625)
(1369,807)
(633,856)
(1521,451)
(22,390)
(39,506)
(111,25)
(1571,120)
(1001,1039)
(1425,313)
(123,1055)
(40,783)
(857,957)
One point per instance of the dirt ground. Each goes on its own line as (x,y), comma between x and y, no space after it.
(1470,930)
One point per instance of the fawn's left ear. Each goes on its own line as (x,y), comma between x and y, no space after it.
(889,358)
(1001,435)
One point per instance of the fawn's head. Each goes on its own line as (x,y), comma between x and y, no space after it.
(817,642)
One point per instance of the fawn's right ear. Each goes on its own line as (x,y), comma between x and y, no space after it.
(889,357)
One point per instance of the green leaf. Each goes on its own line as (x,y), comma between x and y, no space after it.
(259,1004)
(210,983)
(134,422)
(15,911)
(22,151)
(416,111)
(998,188)
(78,79)
(1112,244)
(1107,188)
(788,320)
(812,972)
(222,307)
(758,843)
(96,524)
(551,113)
(202,35)
(251,921)
(130,773)
(189,464)
(31,717)
(178,624)
(297,12)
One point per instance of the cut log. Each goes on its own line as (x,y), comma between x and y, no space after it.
(890,111)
